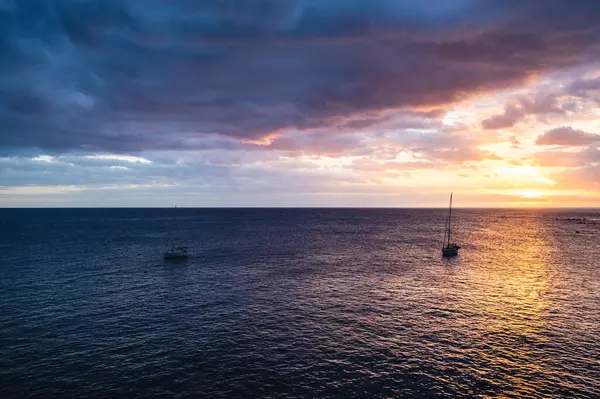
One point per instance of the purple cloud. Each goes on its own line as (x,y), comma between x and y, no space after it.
(123,76)
(568,159)
(508,118)
(585,88)
(542,104)
(567,136)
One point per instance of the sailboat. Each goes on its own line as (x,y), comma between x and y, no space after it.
(176,252)
(449,248)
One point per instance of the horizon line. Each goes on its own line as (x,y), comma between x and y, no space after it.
(305,207)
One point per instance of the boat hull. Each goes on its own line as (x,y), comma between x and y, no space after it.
(449,251)
(176,254)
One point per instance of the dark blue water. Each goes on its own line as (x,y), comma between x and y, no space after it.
(298,303)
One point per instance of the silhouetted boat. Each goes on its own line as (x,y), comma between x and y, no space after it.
(176,253)
(449,248)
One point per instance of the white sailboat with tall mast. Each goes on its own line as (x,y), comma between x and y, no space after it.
(449,248)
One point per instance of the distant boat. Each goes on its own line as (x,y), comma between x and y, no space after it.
(176,253)
(449,248)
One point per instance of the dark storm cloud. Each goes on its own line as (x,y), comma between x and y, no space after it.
(132,75)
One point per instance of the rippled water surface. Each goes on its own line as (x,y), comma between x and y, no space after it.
(299,303)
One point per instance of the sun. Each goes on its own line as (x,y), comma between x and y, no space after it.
(530,194)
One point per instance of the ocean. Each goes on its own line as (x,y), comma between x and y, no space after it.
(294,303)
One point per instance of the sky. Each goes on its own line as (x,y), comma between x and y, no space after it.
(332,103)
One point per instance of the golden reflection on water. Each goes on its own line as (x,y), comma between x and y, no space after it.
(510,287)
(509,294)
(490,321)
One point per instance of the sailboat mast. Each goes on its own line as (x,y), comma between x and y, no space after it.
(450,219)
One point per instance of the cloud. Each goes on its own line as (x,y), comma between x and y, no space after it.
(84,171)
(572,170)
(567,136)
(509,118)
(586,178)
(125,77)
(339,156)
(568,98)
(568,159)
(515,143)
(516,112)
(585,88)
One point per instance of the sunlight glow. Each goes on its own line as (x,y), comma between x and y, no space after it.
(524,175)
(530,194)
